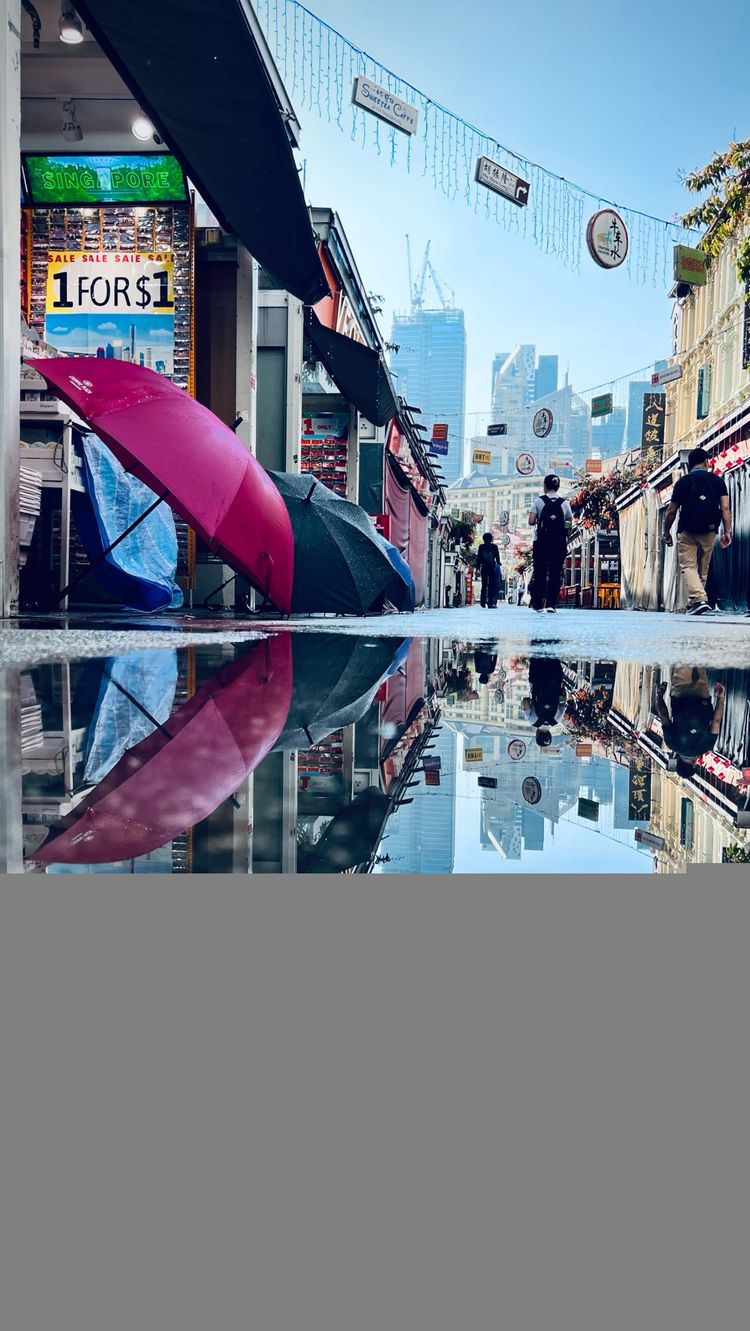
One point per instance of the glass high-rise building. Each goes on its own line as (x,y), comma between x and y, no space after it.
(430,373)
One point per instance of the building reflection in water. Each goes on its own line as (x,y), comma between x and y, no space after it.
(322,753)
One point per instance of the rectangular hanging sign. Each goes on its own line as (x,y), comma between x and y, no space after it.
(495,177)
(667,376)
(654,419)
(440,433)
(382,103)
(481,456)
(602,406)
(690,266)
(497,429)
(440,448)
(474,755)
(117,306)
(594,466)
(82,180)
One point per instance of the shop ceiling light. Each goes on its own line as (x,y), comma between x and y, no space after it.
(142,129)
(71,130)
(70,27)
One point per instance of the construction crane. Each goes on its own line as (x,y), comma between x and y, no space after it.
(417,289)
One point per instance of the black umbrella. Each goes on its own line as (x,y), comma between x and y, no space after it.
(352,836)
(335,679)
(340,563)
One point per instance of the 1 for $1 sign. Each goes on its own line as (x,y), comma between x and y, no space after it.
(99,282)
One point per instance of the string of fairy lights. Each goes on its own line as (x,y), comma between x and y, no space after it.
(320,66)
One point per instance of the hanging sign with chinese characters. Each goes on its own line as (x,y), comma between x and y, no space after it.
(516,750)
(504,518)
(440,440)
(602,405)
(690,266)
(746,330)
(382,103)
(652,432)
(639,789)
(531,790)
(594,466)
(501,181)
(542,422)
(525,464)
(607,239)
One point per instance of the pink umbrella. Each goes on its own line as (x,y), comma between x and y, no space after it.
(187,456)
(186,768)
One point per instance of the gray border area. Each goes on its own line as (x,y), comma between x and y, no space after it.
(338,1103)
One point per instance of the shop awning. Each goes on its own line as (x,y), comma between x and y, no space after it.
(359,373)
(199,74)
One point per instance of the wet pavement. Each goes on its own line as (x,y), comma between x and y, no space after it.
(485,742)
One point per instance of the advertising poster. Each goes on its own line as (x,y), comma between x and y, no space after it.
(113,305)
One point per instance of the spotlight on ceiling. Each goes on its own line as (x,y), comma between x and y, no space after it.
(71,130)
(142,129)
(70,27)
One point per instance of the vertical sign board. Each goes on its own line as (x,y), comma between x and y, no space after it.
(652,430)
(690,266)
(440,439)
(746,330)
(639,788)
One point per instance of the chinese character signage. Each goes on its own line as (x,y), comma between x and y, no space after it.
(652,430)
(746,331)
(689,266)
(607,239)
(639,789)
(383,104)
(116,306)
(500,181)
(542,422)
(602,405)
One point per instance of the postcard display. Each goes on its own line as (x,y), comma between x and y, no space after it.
(142,252)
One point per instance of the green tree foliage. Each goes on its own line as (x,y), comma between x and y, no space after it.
(725,181)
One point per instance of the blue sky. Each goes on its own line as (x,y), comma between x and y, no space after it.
(614,98)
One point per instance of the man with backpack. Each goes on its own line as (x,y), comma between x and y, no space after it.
(546,705)
(488,568)
(551,517)
(702,501)
(692,729)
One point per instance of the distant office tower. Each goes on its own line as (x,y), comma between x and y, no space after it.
(422,835)
(533,829)
(545,377)
(430,373)
(514,385)
(109,352)
(132,342)
(608,434)
(100,353)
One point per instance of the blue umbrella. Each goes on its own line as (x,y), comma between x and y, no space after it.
(401,591)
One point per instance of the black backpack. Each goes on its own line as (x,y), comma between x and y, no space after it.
(550,525)
(487,555)
(700,510)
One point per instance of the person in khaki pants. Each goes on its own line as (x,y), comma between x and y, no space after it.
(702,501)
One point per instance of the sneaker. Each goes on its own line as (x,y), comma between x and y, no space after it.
(701,608)
(551,609)
(538,609)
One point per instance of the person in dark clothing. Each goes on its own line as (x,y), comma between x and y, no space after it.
(485,664)
(551,517)
(546,706)
(487,565)
(695,721)
(702,501)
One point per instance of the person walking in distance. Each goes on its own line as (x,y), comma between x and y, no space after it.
(702,501)
(551,517)
(488,568)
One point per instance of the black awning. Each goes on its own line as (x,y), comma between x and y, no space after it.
(358,372)
(197,72)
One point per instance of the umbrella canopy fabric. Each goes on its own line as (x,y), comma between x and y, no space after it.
(340,565)
(352,836)
(175,445)
(336,678)
(186,768)
(202,73)
(401,592)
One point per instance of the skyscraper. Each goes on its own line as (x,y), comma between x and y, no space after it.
(430,373)
(545,376)
(421,836)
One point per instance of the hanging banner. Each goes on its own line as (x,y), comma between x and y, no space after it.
(602,405)
(690,266)
(746,330)
(639,789)
(116,306)
(382,103)
(607,239)
(500,181)
(542,422)
(654,420)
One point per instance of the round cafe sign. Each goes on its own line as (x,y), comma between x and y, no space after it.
(516,750)
(505,542)
(542,423)
(607,238)
(525,464)
(504,518)
(532,791)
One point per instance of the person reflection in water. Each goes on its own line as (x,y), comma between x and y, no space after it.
(692,727)
(546,705)
(485,664)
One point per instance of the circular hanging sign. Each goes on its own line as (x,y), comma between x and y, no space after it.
(542,422)
(505,542)
(504,518)
(607,238)
(516,750)
(525,464)
(499,696)
(531,789)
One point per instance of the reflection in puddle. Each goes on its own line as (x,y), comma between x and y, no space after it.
(320,753)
